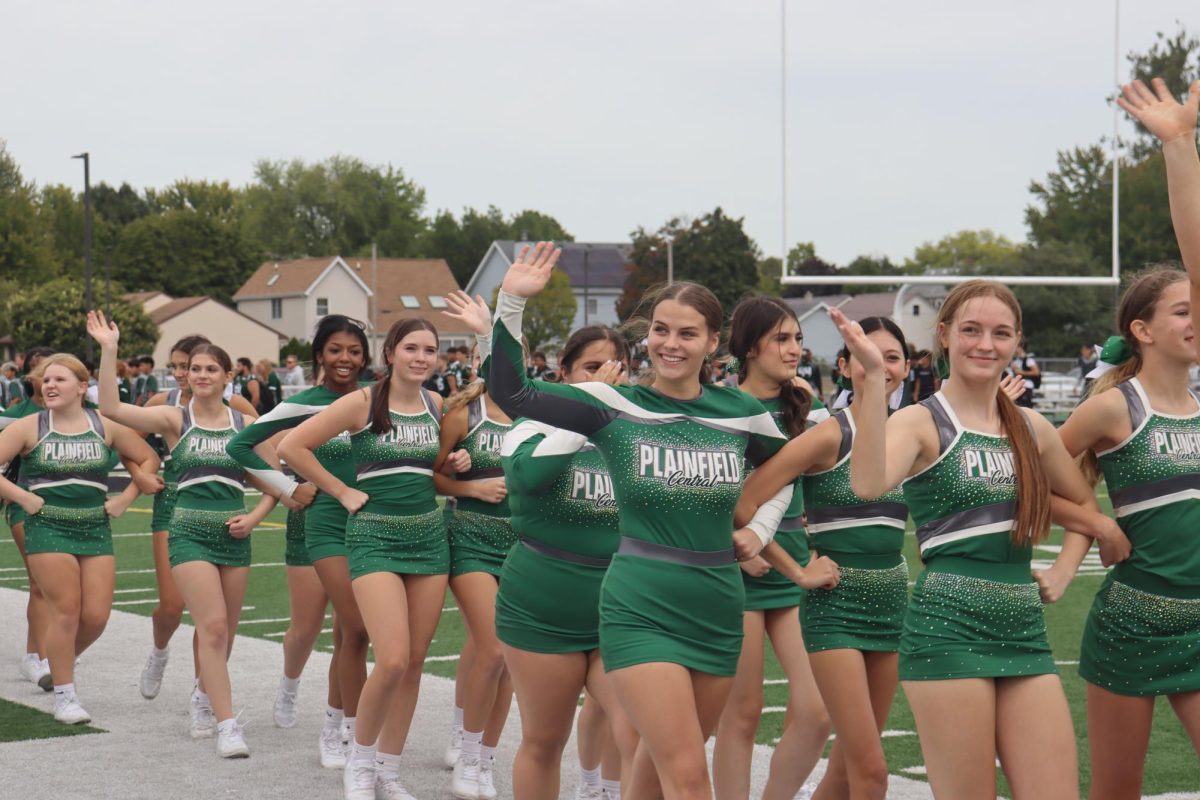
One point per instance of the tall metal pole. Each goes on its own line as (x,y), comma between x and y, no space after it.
(783,130)
(87,241)
(670,261)
(1116,156)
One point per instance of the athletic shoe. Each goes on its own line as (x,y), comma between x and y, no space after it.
(452,751)
(604,795)
(333,752)
(358,779)
(37,670)
(152,674)
(347,736)
(465,783)
(487,790)
(44,680)
(231,743)
(70,712)
(805,793)
(585,792)
(204,724)
(391,789)
(285,707)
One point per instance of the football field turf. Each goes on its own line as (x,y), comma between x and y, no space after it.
(1172,765)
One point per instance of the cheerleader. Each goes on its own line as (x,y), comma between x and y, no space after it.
(67,452)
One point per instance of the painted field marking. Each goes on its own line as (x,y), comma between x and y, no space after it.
(134,591)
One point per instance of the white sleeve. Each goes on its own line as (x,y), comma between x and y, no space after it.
(770,514)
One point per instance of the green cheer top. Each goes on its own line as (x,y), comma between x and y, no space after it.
(395,468)
(208,478)
(68,470)
(483,441)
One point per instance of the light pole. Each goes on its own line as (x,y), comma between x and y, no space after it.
(87,240)
(670,240)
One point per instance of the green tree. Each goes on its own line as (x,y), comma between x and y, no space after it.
(60,210)
(300,348)
(803,260)
(52,314)
(550,315)
(26,246)
(213,199)
(962,252)
(464,243)
(341,205)
(184,253)
(876,266)
(647,267)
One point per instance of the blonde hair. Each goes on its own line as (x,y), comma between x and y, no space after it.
(1032,522)
(73,364)
(1138,302)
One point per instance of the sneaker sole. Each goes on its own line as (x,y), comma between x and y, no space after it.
(203,734)
(234,755)
(82,721)
(149,695)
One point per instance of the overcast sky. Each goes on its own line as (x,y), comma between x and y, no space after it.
(906,120)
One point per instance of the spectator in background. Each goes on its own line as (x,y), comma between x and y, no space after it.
(809,370)
(149,384)
(456,370)
(252,387)
(295,373)
(925,380)
(1088,358)
(92,395)
(269,381)
(436,382)
(241,374)
(1026,366)
(11,392)
(537,368)
(124,385)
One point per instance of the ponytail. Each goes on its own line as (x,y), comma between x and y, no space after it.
(794,405)
(1032,523)
(381,415)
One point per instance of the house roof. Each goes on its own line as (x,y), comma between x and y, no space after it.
(141,297)
(873,304)
(606,262)
(414,278)
(804,305)
(176,307)
(291,278)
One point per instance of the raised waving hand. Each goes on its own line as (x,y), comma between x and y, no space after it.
(475,314)
(1159,111)
(104,331)
(531,271)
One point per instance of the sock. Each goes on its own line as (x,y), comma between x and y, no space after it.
(291,684)
(472,743)
(200,698)
(487,753)
(333,718)
(363,752)
(612,790)
(387,765)
(349,728)
(458,718)
(64,692)
(45,664)
(33,657)
(158,654)
(589,777)
(227,725)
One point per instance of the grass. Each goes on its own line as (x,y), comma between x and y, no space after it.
(18,723)
(1171,764)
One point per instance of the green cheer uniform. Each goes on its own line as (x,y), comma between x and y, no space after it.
(564,510)
(211,491)
(1143,633)
(865,611)
(400,529)
(324,531)
(13,513)
(125,390)
(295,553)
(775,590)
(975,611)
(164,501)
(481,534)
(69,471)
(673,592)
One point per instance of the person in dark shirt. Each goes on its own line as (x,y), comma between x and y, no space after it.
(925,380)
(809,370)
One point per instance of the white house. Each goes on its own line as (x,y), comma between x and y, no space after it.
(597,272)
(232,331)
(294,295)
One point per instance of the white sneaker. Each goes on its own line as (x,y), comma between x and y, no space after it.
(231,743)
(37,670)
(452,751)
(333,752)
(391,789)
(70,712)
(152,674)
(358,779)
(285,707)
(204,724)
(585,792)
(806,792)
(487,790)
(465,783)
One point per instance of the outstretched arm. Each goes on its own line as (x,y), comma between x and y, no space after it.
(162,420)
(1174,124)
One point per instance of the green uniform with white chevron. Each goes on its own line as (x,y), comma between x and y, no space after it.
(1143,633)
(565,514)
(164,501)
(69,471)
(400,528)
(481,534)
(211,491)
(866,609)
(320,532)
(775,590)
(673,592)
(975,611)
(13,513)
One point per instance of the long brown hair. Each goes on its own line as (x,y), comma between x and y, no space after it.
(580,339)
(1032,523)
(1139,302)
(754,318)
(381,418)
(692,295)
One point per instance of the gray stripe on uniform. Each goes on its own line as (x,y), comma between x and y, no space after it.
(376,466)
(1149,491)
(971,518)
(1137,410)
(881,508)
